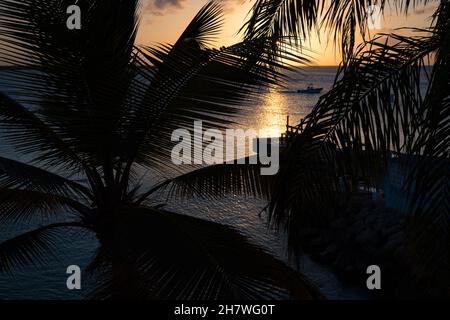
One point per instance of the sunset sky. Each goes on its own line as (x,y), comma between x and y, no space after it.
(164,20)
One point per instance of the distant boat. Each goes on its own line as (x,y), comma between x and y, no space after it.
(310,90)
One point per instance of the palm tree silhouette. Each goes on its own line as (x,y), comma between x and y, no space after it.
(375,109)
(113,123)
(93,109)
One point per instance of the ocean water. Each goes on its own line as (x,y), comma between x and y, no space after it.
(48,280)
(270,112)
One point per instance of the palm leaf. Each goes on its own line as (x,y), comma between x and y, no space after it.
(370,111)
(377,107)
(428,181)
(282,19)
(180,257)
(189,82)
(217,181)
(31,248)
(204,28)
(22,126)
(77,88)
(213,87)
(22,206)
(295,20)
(18,175)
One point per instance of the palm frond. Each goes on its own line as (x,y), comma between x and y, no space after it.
(370,112)
(281,19)
(79,79)
(378,108)
(32,247)
(217,181)
(295,20)
(428,181)
(30,135)
(344,18)
(180,257)
(189,83)
(18,175)
(204,28)
(22,206)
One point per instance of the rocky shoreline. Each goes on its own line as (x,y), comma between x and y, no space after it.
(366,234)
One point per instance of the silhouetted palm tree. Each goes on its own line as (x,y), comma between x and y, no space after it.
(375,108)
(85,110)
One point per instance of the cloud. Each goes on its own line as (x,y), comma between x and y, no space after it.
(152,9)
(163,4)
(160,7)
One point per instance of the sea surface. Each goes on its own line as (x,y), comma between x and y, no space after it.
(48,281)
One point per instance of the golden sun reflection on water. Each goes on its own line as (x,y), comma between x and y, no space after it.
(271,114)
(272,117)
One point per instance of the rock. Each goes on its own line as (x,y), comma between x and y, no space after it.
(391,229)
(366,237)
(393,242)
(339,223)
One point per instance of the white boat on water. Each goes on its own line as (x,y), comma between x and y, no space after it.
(310,90)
